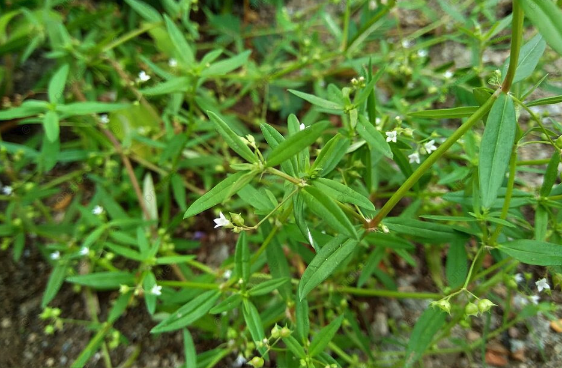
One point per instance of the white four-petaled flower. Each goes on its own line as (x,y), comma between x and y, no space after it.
(391,136)
(143,77)
(55,255)
(448,74)
(172,63)
(221,221)
(518,278)
(430,146)
(104,119)
(156,290)
(98,210)
(542,284)
(535,299)
(422,53)
(7,190)
(84,251)
(414,157)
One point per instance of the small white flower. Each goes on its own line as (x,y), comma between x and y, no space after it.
(422,53)
(172,63)
(156,290)
(104,119)
(430,146)
(535,299)
(55,255)
(448,74)
(377,121)
(7,190)
(143,77)
(391,136)
(240,361)
(414,157)
(221,221)
(98,210)
(519,278)
(302,127)
(542,284)
(406,43)
(227,274)
(84,251)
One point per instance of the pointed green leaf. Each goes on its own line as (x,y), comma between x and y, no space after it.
(533,252)
(456,267)
(325,262)
(103,280)
(302,321)
(22,111)
(373,137)
(226,66)
(452,113)
(254,324)
(541,101)
(328,210)
(529,57)
(296,143)
(331,154)
(541,223)
(495,150)
(317,100)
(227,304)
(146,11)
(425,329)
(51,125)
(342,193)
(55,282)
(421,229)
(368,90)
(56,85)
(173,259)
(183,50)
(267,286)
(545,15)
(550,175)
(178,84)
(294,346)
(274,138)
(86,108)
(242,258)
(189,350)
(188,313)
(149,298)
(231,138)
(324,336)
(219,193)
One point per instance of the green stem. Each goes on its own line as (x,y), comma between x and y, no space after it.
(533,162)
(129,36)
(516,41)
(189,284)
(345,31)
(426,165)
(271,234)
(281,174)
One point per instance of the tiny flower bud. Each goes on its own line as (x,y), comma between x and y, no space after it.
(471,309)
(237,218)
(256,362)
(442,304)
(275,332)
(484,305)
(285,332)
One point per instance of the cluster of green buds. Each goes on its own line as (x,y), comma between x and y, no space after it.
(480,307)
(256,362)
(277,332)
(53,315)
(358,83)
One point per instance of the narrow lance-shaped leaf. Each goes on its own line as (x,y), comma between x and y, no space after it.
(231,138)
(188,313)
(373,137)
(529,57)
(226,66)
(330,155)
(56,85)
(51,125)
(55,282)
(216,195)
(496,146)
(533,252)
(342,193)
(328,210)
(325,262)
(242,258)
(146,11)
(302,320)
(545,15)
(550,174)
(295,143)
(103,280)
(254,323)
(267,286)
(452,113)
(227,304)
(425,329)
(184,52)
(189,350)
(149,297)
(324,336)
(318,101)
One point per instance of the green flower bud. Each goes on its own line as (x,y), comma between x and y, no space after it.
(558,142)
(256,362)
(49,329)
(237,218)
(484,305)
(285,332)
(557,279)
(471,309)
(442,304)
(275,332)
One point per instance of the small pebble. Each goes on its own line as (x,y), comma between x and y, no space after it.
(6,323)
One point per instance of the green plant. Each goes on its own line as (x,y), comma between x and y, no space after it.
(216,124)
